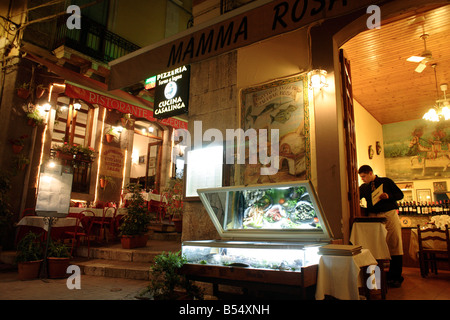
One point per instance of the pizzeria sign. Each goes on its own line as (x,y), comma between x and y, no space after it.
(172,93)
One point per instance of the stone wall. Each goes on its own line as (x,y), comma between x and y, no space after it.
(214,101)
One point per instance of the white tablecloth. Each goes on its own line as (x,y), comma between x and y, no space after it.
(372,236)
(37,221)
(146,195)
(428,244)
(98,212)
(339,276)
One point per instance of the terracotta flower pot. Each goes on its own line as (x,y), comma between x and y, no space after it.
(39,92)
(29,270)
(109,138)
(130,242)
(178,224)
(57,267)
(23,93)
(64,156)
(31,122)
(17,149)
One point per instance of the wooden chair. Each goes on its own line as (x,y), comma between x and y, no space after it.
(105,221)
(428,257)
(82,229)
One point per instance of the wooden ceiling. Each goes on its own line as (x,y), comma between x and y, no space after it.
(384,83)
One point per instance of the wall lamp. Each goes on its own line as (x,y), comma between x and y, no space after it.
(318,79)
(77,106)
(47,106)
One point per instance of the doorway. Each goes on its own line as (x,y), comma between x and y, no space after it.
(147,155)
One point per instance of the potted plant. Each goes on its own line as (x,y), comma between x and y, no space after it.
(105,180)
(7,229)
(167,282)
(64,151)
(18,143)
(125,119)
(40,89)
(135,223)
(58,259)
(24,91)
(21,161)
(29,256)
(34,118)
(174,199)
(110,135)
(86,153)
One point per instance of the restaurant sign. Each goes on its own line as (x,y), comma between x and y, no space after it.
(112,161)
(122,106)
(172,92)
(200,43)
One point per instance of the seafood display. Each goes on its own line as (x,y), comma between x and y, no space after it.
(283,208)
(277,258)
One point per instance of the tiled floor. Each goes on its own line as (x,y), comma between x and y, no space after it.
(414,287)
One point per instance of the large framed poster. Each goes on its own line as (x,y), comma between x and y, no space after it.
(283,105)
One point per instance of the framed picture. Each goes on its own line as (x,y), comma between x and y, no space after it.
(152,162)
(281,105)
(141,159)
(440,186)
(423,195)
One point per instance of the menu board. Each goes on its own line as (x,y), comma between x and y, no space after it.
(203,169)
(55,188)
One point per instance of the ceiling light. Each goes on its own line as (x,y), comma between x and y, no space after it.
(440,110)
(77,106)
(151,129)
(415,59)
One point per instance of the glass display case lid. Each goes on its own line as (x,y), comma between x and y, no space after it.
(278,211)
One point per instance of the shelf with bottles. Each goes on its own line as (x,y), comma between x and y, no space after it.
(423,207)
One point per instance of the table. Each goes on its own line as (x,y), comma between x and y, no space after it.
(98,211)
(38,225)
(372,236)
(340,276)
(428,244)
(148,196)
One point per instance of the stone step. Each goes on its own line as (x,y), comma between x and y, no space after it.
(116,252)
(114,269)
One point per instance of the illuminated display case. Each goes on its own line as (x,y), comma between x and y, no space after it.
(265,230)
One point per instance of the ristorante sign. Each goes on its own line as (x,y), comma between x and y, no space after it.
(172,92)
(196,44)
(122,106)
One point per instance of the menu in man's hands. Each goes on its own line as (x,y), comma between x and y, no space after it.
(376,194)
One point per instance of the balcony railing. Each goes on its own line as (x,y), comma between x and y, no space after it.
(93,39)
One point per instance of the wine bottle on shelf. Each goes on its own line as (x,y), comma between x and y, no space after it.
(446,207)
(433,208)
(400,208)
(441,207)
(419,207)
(414,208)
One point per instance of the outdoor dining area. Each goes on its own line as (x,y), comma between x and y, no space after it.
(83,225)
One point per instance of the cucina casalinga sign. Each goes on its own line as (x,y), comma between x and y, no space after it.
(172,92)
